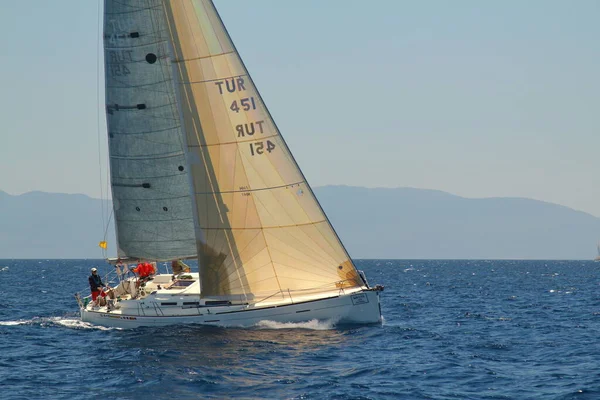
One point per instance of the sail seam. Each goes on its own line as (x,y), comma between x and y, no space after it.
(161,241)
(265,227)
(251,190)
(134,9)
(146,132)
(332,259)
(324,249)
(155,199)
(213,80)
(140,61)
(133,46)
(120,107)
(234,142)
(183,60)
(148,157)
(129,86)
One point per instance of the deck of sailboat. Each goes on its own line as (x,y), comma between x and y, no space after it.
(170,290)
(174,306)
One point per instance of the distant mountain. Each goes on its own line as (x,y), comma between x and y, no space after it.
(420,223)
(51,225)
(373,223)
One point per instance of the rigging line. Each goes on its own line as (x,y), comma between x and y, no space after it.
(98,112)
(108,224)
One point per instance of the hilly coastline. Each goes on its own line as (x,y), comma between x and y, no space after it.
(380,223)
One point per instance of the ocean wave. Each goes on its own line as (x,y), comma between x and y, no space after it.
(67,322)
(313,324)
(13,323)
(78,324)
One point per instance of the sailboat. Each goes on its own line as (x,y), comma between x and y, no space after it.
(199,170)
(598,249)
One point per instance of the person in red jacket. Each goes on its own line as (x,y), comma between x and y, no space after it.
(144,271)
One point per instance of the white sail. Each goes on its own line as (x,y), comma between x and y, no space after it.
(149,175)
(259,227)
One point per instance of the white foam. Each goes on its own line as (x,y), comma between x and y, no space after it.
(13,323)
(62,321)
(313,324)
(77,324)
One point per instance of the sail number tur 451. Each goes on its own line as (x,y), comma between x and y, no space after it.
(261,147)
(246,104)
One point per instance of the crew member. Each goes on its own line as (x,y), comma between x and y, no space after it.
(96,284)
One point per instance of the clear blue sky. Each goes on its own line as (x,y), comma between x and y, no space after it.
(476,98)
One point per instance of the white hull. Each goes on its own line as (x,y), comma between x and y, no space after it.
(360,307)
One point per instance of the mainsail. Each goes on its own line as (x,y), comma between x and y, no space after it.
(257,227)
(149,177)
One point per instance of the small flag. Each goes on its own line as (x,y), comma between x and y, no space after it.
(103,244)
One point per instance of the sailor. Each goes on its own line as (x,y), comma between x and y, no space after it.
(120,269)
(139,269)
(176,267)
(150,269)
(96,284)
(144,272)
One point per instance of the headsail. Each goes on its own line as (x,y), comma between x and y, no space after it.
(259,227)
(149,176)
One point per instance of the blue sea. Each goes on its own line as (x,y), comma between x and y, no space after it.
(452,330)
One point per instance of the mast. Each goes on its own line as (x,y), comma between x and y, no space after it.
(149,174)
(259,227)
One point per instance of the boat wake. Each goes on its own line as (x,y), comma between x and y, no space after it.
(67,322)
(314,325)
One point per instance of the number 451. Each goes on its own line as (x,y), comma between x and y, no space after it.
(246,104)
(259,147)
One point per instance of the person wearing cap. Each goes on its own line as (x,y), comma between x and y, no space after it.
(96,284)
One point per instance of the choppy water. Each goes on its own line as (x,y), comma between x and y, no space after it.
(453,330)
